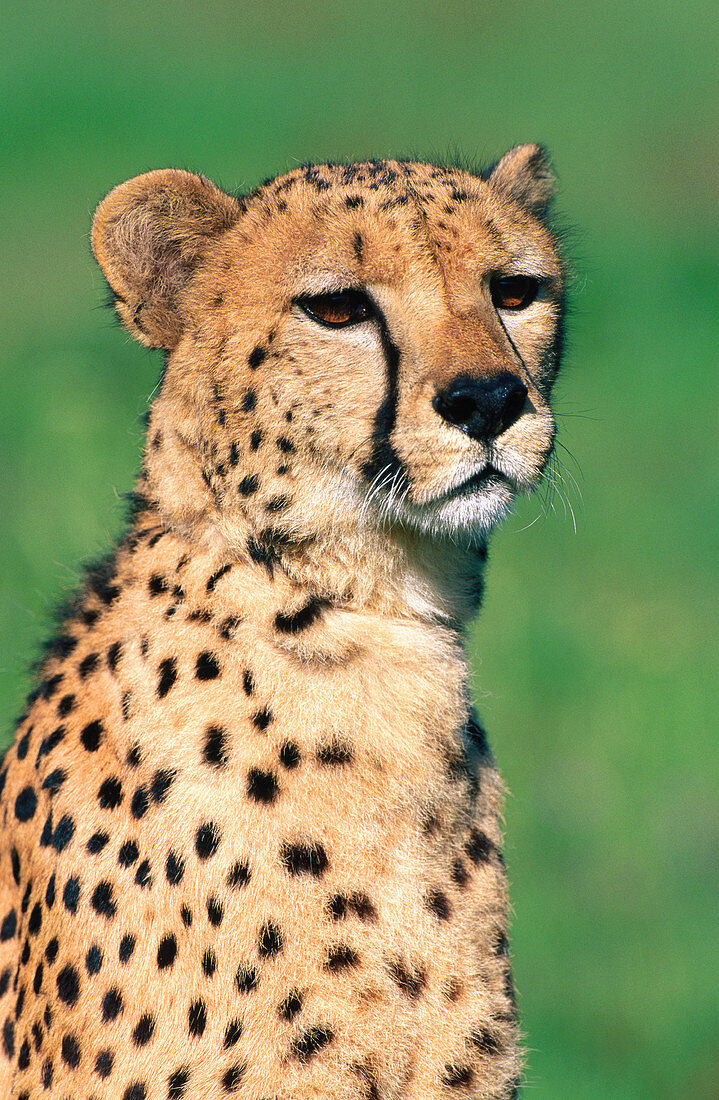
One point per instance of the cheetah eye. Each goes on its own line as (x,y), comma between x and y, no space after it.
(513,292)
(338,309)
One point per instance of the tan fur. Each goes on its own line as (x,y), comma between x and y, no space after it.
(269,674)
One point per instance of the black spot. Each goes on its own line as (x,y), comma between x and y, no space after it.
(270,941)
(128,853)
(144,1030)
(88,664)
(96,842)
(71,894)
(285,445)
(8,1038)
(66,704)
(110,793)
(438,903)
(47,1074)
(51,950)
(197,1018)
(255,439)
(112,1004)
(262,786)
(304,859)
(68,985)
(92,735)
(341,957)
(9,926)
(127,946)
(256,356)
(234,455)
(157,585)
(233,1031)
(22,745)
(228,626)
(174,868)
(232,1077)
(209,962)
(186,914)
(479,847)
(342,905)
(293,622)
(161,782)
(135,1091)
(277,504)
(460,875)
(50,892)
(247,978)
(238,875)
(50,742)
(410,982)
(207,840)
(70,1050)
(358,245)
(166,952)
(167,676)
(207,667)
(486,1041)
(113,656)
(291,1005)
(289,754)
(23,1059)
(93,960)
(262,718)
(54,780)
(177,1083)
(104,1063)
(457,1076)
(15,861)
(214,578)
(215,751)
(37,979)
(134,756)
(248,485)
(215,912)
(311,1041)
(140,802)
(334,753)
(25,804)
(249,401)
(103,900)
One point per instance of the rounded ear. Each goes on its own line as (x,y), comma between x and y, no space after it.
(148,235)
(525,175)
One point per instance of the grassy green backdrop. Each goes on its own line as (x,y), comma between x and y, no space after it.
(595,656)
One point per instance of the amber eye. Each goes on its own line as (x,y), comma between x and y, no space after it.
(341,308)
(513,292)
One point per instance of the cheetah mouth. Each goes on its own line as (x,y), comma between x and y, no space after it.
(487,478)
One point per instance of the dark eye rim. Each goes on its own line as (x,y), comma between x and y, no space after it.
(361,303)
(532,288)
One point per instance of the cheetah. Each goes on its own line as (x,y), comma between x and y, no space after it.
(252,822)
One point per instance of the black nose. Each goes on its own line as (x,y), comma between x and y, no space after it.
(483,408)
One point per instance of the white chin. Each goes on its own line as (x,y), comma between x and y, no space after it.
(474,513)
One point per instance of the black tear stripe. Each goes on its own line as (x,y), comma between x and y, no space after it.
(384,459)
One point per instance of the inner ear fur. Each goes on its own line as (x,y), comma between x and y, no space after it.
(148,235)
(525,175)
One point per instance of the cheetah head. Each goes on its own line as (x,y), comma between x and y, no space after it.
(372,343)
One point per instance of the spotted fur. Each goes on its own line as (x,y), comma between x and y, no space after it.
(252,841)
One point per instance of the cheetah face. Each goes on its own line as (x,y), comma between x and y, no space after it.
(375,341)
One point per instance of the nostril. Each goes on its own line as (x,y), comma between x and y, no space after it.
(482,408)
(457,408)
(513,404)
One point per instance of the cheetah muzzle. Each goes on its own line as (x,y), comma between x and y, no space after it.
(252,823)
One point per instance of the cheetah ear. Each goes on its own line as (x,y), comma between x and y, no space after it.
(148,235)
(525,175)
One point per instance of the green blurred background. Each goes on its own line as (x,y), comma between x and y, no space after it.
(595,656)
